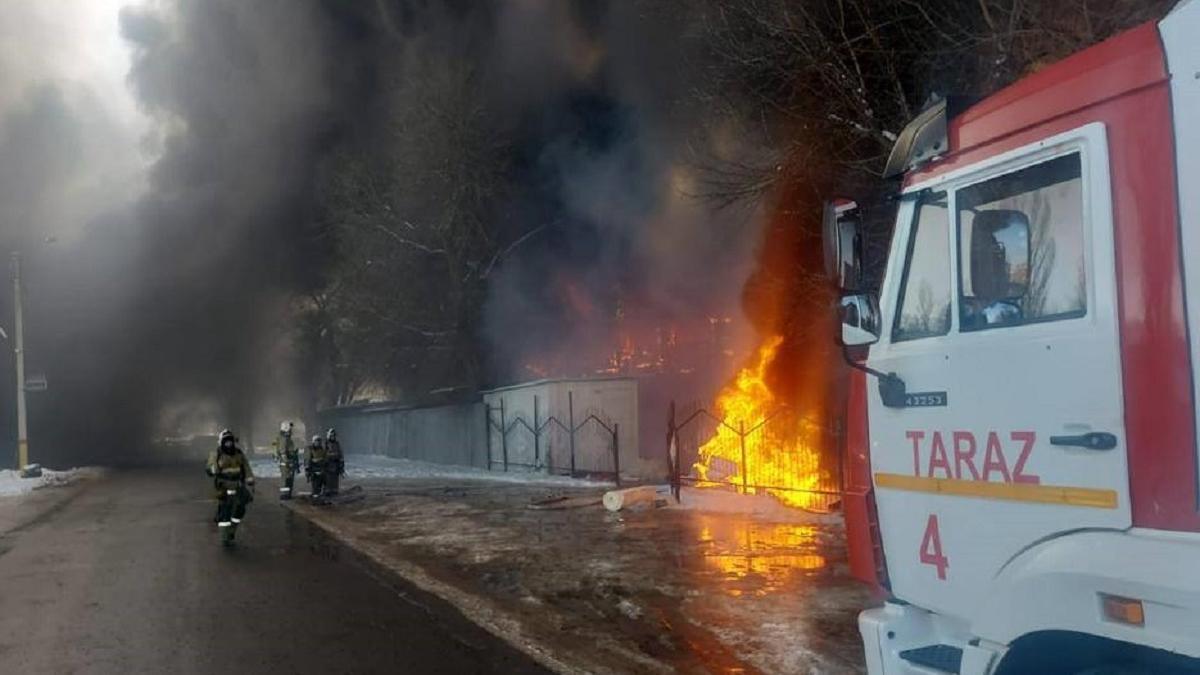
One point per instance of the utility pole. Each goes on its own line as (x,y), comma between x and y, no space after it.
(18,328)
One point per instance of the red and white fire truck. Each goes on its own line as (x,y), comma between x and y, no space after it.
(1022,443)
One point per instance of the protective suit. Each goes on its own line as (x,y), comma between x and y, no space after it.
(316,467)
(335,461)
(288,457)
(231,472)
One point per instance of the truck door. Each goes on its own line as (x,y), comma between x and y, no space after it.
(999,316)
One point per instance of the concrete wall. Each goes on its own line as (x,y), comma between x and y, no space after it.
(448,434)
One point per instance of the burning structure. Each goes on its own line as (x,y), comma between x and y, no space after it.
(760,443)
(773,427)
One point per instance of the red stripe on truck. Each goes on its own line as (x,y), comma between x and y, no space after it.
(1155,361)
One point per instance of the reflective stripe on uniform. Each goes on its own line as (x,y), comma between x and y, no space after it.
(224,523)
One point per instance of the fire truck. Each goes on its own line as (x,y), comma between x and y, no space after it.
(1022,418)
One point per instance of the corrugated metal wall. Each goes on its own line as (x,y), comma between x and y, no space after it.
(448,434)
(459,433)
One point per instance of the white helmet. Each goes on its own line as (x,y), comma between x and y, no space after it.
(285,427)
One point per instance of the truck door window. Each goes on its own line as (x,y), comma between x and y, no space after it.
(924,307)
(1021,247)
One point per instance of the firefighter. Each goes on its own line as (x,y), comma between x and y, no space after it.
(288,457)
(336,462)
(316,468)
(230,470)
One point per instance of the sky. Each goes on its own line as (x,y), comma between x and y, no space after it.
(64,61)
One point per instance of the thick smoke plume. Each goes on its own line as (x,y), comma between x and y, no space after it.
(70,166)
(171,227)
(633,253)
(170,295)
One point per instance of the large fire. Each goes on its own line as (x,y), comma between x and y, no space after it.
(762,442)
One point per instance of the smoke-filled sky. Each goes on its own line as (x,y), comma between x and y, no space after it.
(609,88)
(74,154)
(159,164)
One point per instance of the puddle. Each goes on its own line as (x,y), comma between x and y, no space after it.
(758,557)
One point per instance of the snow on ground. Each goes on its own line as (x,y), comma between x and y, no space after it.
(12,484)
(763,508)
(709,500)
(381,466)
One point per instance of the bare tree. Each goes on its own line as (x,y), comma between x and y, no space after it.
(824,87)
(409,212)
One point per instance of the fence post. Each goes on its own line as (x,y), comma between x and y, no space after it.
(673,452)
(742,435)
(617,452)
(537,437)
(840,445)
(503,435)
(487,432)
(571,423)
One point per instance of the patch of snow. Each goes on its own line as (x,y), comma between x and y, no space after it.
(12,484)
(629,609)
(380,466)
(761,507)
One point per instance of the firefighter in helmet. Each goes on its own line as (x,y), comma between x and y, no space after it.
(316,467)
(230,470)
(288,457)
(335,460)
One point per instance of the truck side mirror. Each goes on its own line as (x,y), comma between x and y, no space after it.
(860,319)
(999,256)
(842,241)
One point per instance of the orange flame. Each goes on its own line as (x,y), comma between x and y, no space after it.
(776,445)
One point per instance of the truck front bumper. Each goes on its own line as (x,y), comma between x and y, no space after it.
(897,627)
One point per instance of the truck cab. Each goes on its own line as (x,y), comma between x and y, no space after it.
(1021,448)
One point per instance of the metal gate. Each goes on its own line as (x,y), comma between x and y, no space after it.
(554,441)
(783,453)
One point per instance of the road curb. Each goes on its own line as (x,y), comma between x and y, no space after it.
(475,608)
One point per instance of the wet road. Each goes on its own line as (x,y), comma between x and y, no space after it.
(127,576)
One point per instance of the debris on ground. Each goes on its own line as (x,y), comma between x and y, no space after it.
(351,494)
(563,502)
(615,500)
(719,583)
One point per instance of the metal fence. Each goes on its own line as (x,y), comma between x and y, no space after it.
(782,453)
(450,434)
(556,442)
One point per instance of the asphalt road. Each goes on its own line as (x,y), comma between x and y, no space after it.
(128,576)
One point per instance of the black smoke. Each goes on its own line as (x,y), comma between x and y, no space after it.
(178,300)
(171,306)
(602,96)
